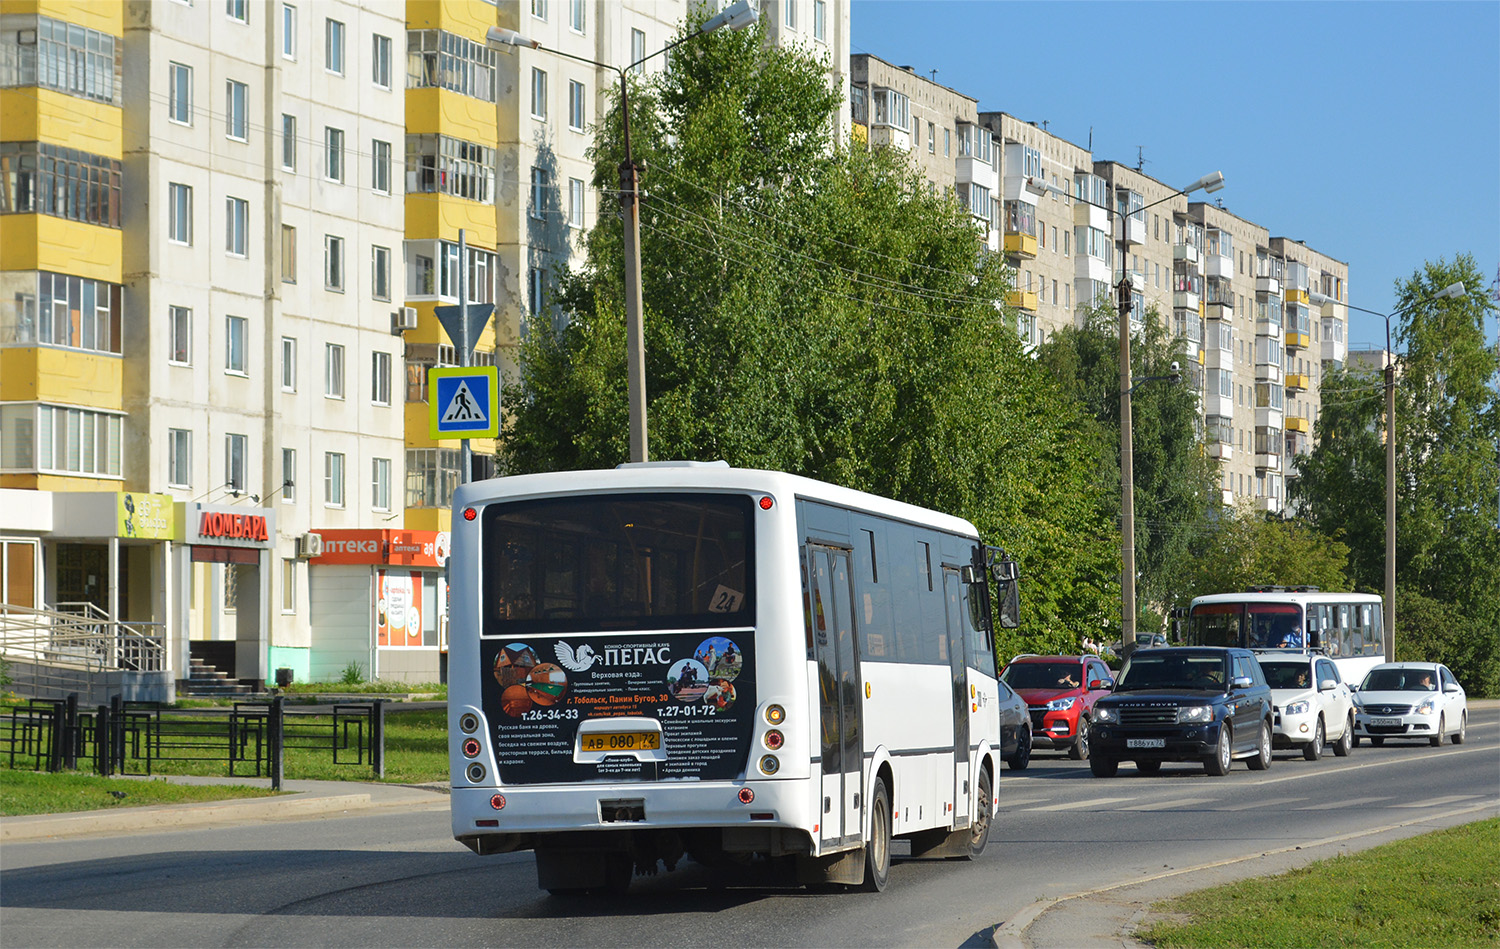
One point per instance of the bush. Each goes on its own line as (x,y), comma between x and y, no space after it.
(354,674)
(1429,630)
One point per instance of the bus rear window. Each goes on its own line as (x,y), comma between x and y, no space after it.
(618,562)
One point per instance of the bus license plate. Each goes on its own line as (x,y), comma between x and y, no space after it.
(1145,743)
(622,741)
(1385,722)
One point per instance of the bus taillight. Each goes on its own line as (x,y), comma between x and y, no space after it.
(475,772)
(497,801)
(746,795)
(769,764)
(765,503)
(774,739)
(470,513)
(775,714)
(471,748)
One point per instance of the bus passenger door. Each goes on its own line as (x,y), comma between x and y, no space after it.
(953,590)
(838,693)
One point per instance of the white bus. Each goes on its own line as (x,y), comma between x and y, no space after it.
(676,657)
(1347,627)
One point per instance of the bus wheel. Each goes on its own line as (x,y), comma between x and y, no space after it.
(979,830)
(878,847)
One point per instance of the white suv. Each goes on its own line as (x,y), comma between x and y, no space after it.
(1314,707)
(1410,700)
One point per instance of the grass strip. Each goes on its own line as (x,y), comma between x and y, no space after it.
(32,792)
(1439,889)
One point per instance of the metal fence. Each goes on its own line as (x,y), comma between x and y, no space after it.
(141,738)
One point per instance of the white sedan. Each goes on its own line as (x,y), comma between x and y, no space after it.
(1314,708)
(1410,700)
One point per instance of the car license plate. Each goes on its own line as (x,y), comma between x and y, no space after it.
(1385,722)
(622,741)
(1145,743)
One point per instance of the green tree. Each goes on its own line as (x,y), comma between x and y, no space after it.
(1245,547)
(818,310)
(1174,479)
(1447,438)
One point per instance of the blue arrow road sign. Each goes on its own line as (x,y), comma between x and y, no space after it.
(464,402)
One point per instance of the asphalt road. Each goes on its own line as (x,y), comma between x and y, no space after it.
(398,879)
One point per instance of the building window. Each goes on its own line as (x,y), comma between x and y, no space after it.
(288,254)
(947,142)
(791,13)
(333,370)
(52,438)
(576,19)
(288,364)
(235,121)
(333,479)
(179,213)
(333,46)
(333,263)
(439,164)
(288,142)
(380,272)
(820,21)
(431,476)
(380,378)
(288,31)
(435,58)
(40,178)
(288,585)
(288,475)
(380,173)
(61,310)
(536,289)
(541,183)
(180,93)
(380,61)
(380,484)
(179,457)
(237,10)
(236,226)
(575,202)
(234,344)
(62,56)
(234,462)
(180,320)
(538,93)
(576,113)
(333,147)
(539,9)
(637,51)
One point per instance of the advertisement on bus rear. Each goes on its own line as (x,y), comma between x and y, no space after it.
(698,690)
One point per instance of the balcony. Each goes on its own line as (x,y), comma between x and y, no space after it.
(1185,300)
(1187,252)
(1296,381)
(1086,215)
(1268,372)
(1298,341)
(891,137)
(1020,245)
(1219,266)
(1267,417)
(1216,404)
(1296,423)
(1267,462)
(1296,296)
(1269,505)
(1135,231)
(1022,300)
(1219,358)
(1268,330)
(1221,451)
(1270,286)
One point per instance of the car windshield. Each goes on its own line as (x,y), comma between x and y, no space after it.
(1399,680)
(1148,671)
(1286,675)
(1043,675)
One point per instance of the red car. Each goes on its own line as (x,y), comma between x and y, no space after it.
(1060,692)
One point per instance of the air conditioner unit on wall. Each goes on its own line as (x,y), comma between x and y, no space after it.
(309,545)
(403,319)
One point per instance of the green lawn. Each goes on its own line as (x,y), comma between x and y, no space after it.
(1440,889)
(35,792)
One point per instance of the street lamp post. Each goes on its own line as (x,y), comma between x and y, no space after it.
(1389,620)
(1210,183)
(736,16)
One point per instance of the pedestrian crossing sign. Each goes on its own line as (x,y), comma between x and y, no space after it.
(464,402)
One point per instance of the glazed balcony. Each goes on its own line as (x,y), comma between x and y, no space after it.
(1296,381)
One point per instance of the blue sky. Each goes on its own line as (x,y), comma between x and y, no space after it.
(1369,130)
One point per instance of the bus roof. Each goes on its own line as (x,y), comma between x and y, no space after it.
(689,476)
(1286,596)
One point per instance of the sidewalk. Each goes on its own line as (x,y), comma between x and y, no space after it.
(300,799)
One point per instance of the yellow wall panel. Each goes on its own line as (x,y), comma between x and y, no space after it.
(65,376)
(467,19)
(30,114)
(43,242)
(428,518)
(106,16)
(433,216)
(442,111)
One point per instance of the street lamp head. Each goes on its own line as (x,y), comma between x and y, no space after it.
(1210,183)
(498,37)
(736,16)
(1319,299)
(1451,290)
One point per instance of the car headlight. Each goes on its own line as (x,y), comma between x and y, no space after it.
(1195,713)
(1297,708)
(1106,714)
(1426,708)
(1061,705)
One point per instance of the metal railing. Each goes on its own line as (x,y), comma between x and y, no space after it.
(77,642)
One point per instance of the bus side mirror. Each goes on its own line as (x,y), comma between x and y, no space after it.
(969,573)
(1004,571)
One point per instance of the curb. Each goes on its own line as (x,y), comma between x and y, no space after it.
(116,821)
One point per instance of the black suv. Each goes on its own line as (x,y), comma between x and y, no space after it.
(1184,704)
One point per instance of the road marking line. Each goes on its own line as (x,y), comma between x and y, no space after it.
(1255,805)
(1439,801)
(1096,803)
(1347,802)
(1021,801)
(1343,769)
(1167,805)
